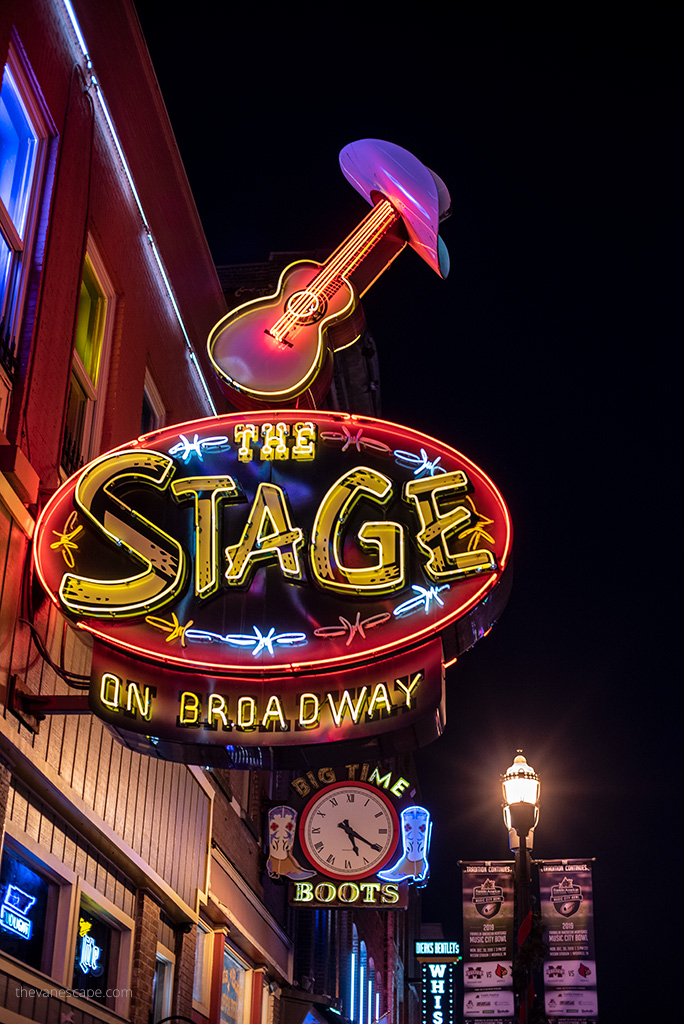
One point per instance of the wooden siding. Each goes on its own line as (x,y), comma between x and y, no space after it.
(26,812)
(158,808)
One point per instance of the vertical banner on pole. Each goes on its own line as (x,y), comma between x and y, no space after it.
(487,941)
(567,906)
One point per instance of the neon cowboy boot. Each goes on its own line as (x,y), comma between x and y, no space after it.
(282,823)
(416,828)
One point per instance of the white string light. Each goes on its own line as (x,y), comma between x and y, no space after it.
(146,228)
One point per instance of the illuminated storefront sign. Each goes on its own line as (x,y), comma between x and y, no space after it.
(438,990)
(438,959)
(270,580)
(92,958)
(386,895)
(89,953)
(437,949)
(14,911)
(358,840)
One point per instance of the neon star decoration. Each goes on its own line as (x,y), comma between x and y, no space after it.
(173,628)
(65,539)
(477,532)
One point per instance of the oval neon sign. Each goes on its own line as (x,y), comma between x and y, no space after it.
(230,543)
(274,544)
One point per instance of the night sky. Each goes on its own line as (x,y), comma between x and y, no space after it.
(548,357)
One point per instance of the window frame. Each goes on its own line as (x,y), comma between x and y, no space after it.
(94,392)
(166,957)
(22,245)
(152,395)
(201,986)
(99,906)
(54,965)
(231,951)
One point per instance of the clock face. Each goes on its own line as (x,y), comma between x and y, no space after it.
(349,830)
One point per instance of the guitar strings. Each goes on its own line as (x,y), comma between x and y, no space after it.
(373,227)
(368,229)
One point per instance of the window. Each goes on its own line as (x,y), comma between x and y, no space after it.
(24,131)
(200,989)
(89,365)
(28,904)
(233,989)
(96,951)
(102,952)
(162,987)
(153,411)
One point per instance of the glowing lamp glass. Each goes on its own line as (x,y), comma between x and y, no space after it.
(520,785)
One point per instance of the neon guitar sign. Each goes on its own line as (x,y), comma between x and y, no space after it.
(278,350)
(260,584)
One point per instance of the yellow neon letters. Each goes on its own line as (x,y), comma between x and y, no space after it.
(208,493)
(275,441)
(161,557)
(268,534)
(346,892)
(439,527)
(387,538)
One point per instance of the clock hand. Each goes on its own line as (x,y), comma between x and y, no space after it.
(355,835)
(350,833)
(373,846)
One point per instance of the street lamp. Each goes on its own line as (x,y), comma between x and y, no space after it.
(520,787)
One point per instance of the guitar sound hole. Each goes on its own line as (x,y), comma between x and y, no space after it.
(306,306)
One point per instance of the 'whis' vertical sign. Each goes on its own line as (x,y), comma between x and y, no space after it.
(438,993)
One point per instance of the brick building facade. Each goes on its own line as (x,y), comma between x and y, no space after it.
(108,293)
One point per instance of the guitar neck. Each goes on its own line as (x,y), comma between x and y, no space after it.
(366,252)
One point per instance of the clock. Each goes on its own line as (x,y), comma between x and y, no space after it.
(349,830)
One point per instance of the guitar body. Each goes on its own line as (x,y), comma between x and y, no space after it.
(276,349)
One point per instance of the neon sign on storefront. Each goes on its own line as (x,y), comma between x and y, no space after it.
(253,557)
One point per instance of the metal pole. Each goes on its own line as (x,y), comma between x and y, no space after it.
(521,970)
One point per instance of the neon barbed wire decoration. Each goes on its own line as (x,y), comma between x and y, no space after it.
(185,449)
(259,641)
(424,597)
(352,628)
(358,441)
(419,463)
(65,539)
(477,533)
(173,628)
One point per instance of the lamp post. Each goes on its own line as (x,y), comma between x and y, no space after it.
(521,787)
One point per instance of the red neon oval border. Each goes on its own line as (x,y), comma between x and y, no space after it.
(293,667)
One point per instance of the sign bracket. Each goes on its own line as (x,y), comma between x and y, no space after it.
(31,708)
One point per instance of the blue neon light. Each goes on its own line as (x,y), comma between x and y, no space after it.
(185,449)
(260,641)
(14,912)
(423,597)
(419,463)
